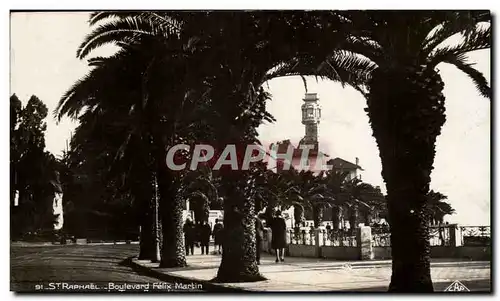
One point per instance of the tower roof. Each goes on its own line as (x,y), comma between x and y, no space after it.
(339,163)
(297,151)
(311,97)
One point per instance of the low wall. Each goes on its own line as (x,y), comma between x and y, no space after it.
(303,251)
(340,253)
(372,252)
(467,252)
(382,253)
(475,253)
(464,252)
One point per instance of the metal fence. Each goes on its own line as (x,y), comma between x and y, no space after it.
(307,236)
(476,235)
(301,236)
(381,236)
(440,235)
(339,238)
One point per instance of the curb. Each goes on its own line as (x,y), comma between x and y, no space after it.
(207,285)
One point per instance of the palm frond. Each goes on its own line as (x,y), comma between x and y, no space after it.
(477,77)
(96,17)
(479,39)
(116,31)
(464,22)
(342,66)
(75,99)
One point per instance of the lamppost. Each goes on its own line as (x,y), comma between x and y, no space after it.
(156,234)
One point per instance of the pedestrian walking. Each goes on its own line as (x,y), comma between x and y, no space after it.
(278,242)
(259,234)
(189,236)
(328,231)
(217,234)
(205,232)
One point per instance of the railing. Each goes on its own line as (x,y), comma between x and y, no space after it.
(440,235)
(308,236)
(381,236)
(339,238)
(476,235)
(301,236)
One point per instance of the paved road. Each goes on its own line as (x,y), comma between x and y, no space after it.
(47,268)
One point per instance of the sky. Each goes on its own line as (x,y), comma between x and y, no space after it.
(43,63)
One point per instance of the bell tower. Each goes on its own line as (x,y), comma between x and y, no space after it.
(311,115)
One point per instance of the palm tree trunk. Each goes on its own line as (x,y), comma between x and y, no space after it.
(353,218)
(317,215)
(337,214)
(367,217)
(406,119)
(239,246)
(173,253)
(298,212)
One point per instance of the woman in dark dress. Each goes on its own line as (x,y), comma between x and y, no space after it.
(217,234)
(278,240)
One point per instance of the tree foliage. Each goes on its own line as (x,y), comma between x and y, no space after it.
(34,171)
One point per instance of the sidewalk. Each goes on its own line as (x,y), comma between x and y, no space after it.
(311,274)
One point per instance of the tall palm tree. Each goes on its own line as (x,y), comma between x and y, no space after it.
(437,208)
(257,54)
(335,182)
(157,36)
(406,111)
(279,189)
(200,188)
(362,198)
(117,112)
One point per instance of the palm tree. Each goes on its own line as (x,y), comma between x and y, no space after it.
(117,112)
(362,198)
(407,117)
(279,189)
(335,182)
(316,195)
(156,36)
(256,54)
(437,209)
(200,187)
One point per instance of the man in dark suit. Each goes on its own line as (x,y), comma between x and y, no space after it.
(189,236)
(205,233)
